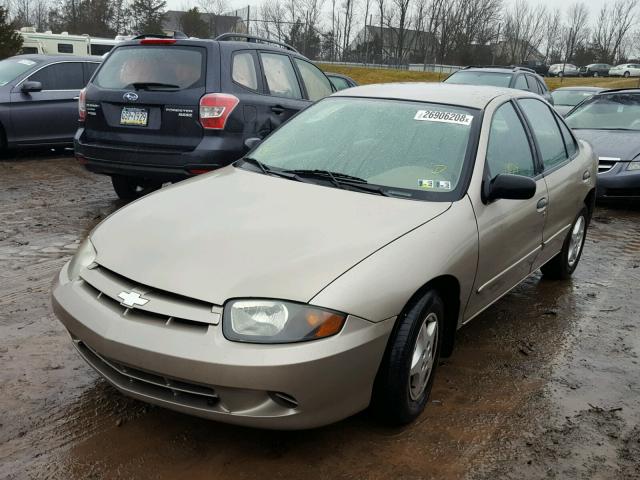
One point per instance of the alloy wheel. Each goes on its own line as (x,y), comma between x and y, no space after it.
(423,357)
(575,243)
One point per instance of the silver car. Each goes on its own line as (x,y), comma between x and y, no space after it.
(330,268)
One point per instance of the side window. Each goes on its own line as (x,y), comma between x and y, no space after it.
(318,85)
(60,76)
(65,48)
(508,150)
(339,83)
(542,87)
(243,70)
(281,78)
(89,68)
(546,131)
(521,83)
(569,141)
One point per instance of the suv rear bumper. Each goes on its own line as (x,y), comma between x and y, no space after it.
(159,164)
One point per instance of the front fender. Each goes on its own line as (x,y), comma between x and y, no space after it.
(380,286)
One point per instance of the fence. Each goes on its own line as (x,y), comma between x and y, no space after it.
(434,67)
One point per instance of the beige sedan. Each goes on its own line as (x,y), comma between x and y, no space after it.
(331,267)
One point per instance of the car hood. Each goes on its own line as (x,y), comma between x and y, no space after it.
(237,233)
(621,144)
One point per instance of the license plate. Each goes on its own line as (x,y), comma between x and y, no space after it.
(134,116)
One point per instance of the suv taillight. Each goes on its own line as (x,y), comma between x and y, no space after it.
(82,105)
(215,108)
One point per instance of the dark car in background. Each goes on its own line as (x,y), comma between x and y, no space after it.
(340,81)
(511,77)
(566,98)
(595,70)
(162,109)
(610,122)
(537,66)
(39,98)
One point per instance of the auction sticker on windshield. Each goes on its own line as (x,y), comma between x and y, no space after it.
(445,117)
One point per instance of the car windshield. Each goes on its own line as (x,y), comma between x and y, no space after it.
(410,149)
(620,111)
(13,67)
(570,97)
(152,67)
(494,79)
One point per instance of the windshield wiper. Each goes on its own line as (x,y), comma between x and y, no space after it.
(270,171)
(344,181)
(154,85)
(334,176)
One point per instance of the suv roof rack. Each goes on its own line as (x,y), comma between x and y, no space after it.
(505,67)
(176,35)
(254,39)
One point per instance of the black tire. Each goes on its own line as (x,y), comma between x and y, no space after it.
(596,74)
(627,74)
(131,188)
(560,74)
(561,267)
(394,401)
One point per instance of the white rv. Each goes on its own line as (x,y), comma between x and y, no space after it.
(49,43)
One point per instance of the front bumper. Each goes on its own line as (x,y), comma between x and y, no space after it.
(199,372)
(618,182)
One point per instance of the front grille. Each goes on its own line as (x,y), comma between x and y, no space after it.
(151,384)
(606,165)
(162,308)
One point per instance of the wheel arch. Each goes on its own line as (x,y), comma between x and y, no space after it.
(590,202)
(448,287)
(3,137)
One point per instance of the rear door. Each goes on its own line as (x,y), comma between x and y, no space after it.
(146,97)
(316,83)
(285,94)
(563,176)
(51,115)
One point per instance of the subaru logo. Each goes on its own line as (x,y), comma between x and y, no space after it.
(132,299)
(130,96)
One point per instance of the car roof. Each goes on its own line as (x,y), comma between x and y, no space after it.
(635,91)
(474,96)
(580,89)
(59,58)
(507,70)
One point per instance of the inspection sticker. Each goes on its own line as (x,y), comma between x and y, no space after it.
(445,117)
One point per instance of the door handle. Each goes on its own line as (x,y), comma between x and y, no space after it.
(76,98)
(541,206)
(586,175)
(277,109)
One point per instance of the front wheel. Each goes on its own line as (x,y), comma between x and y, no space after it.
(595,74)
(562,266)
(131,188)
(405,378)
(560,74)
(626,74)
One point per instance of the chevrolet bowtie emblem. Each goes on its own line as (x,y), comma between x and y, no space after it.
(132,299)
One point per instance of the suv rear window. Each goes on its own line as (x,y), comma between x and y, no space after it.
(493,79)
(179,66)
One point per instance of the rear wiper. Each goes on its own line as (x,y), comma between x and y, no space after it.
(154,85)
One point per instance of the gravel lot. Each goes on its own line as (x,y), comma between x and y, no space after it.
(544,384)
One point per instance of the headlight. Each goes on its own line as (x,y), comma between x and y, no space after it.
(275,321)
(633,165)
(84,257)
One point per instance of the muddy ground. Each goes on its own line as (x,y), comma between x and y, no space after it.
(544,384)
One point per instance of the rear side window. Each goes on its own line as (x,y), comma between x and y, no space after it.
(569,141)
(159,67)
(60,76)
(521,83)
(546,131)
(508,150)
(89,69)
(339,83)
(318,85)
(281,78)
(244,70)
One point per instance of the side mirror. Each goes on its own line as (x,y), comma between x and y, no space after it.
(30,86)
(250,143)
(510,187)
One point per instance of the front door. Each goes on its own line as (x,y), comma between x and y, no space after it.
(509,231)
(51,115)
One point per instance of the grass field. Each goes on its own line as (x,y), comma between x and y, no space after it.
(375,75)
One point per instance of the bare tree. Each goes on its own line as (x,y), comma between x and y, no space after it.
(576,31)
(552,30)
(612,28)
(524,30)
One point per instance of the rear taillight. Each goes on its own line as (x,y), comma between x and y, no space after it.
(82,105)
(215,108)
(158,41)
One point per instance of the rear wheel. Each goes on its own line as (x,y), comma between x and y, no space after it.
(560,74)
(626,74)
(130,188)
(563,265)
(595,74)
(406,374)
